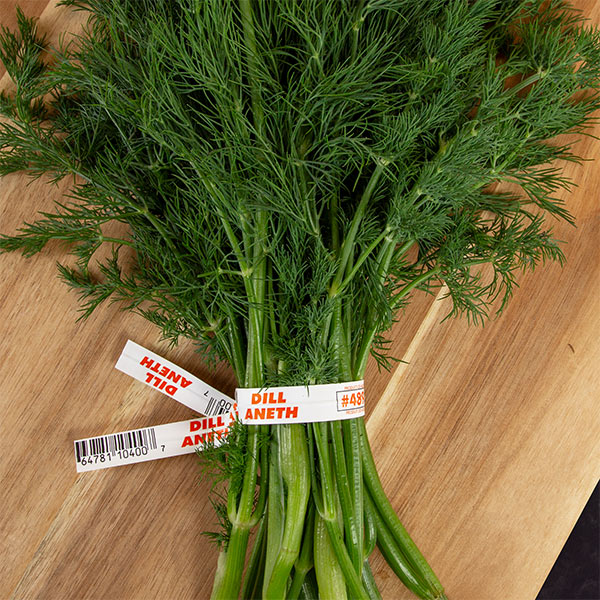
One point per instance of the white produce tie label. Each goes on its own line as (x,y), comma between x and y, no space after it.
(301,404)
(150,443)
(253,406)
(173,381)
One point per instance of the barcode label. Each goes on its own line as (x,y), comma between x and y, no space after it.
(218,407)
(173,381)
(129,440)
(151,443)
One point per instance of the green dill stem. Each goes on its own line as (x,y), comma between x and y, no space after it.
(417,281)
(348,244)
(305,562)
(272,318)
(311,209)
(329,514)
(245,222)
(351,526)
(330,577)
(352,447)
(360,261)
(263,450)
(163,232)
(213,190)
(233,241)
(231,561)
(231,565)
(333,222)
(356,28)
(295,471)
(250,41)
(341,343)
(113,240)
(276,510)
(256,312)
(253,378)
(370,531)
(396,559)
(360,362)
(309,587)
(325,501)
(384,511)
(401,251)
(369,582)
(317,495)
(251,587)
(387,253)
(235,342)
(353,581)
(540,74)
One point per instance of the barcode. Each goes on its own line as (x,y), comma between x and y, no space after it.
(127,440)
(217,407)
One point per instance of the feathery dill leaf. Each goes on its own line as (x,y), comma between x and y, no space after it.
(152,110)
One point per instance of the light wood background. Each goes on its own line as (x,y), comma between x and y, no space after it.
(487,439)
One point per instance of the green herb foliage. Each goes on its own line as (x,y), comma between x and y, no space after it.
(289,172)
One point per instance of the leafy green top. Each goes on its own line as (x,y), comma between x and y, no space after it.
(289,171)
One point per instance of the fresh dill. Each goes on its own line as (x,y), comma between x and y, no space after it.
(285,174)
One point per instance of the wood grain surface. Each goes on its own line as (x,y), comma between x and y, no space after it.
(487,439)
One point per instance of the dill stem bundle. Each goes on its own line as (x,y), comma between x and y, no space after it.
(273,180)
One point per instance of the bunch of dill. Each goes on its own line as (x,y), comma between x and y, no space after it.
(285,173)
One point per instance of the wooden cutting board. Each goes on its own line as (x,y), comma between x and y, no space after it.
(487,439)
